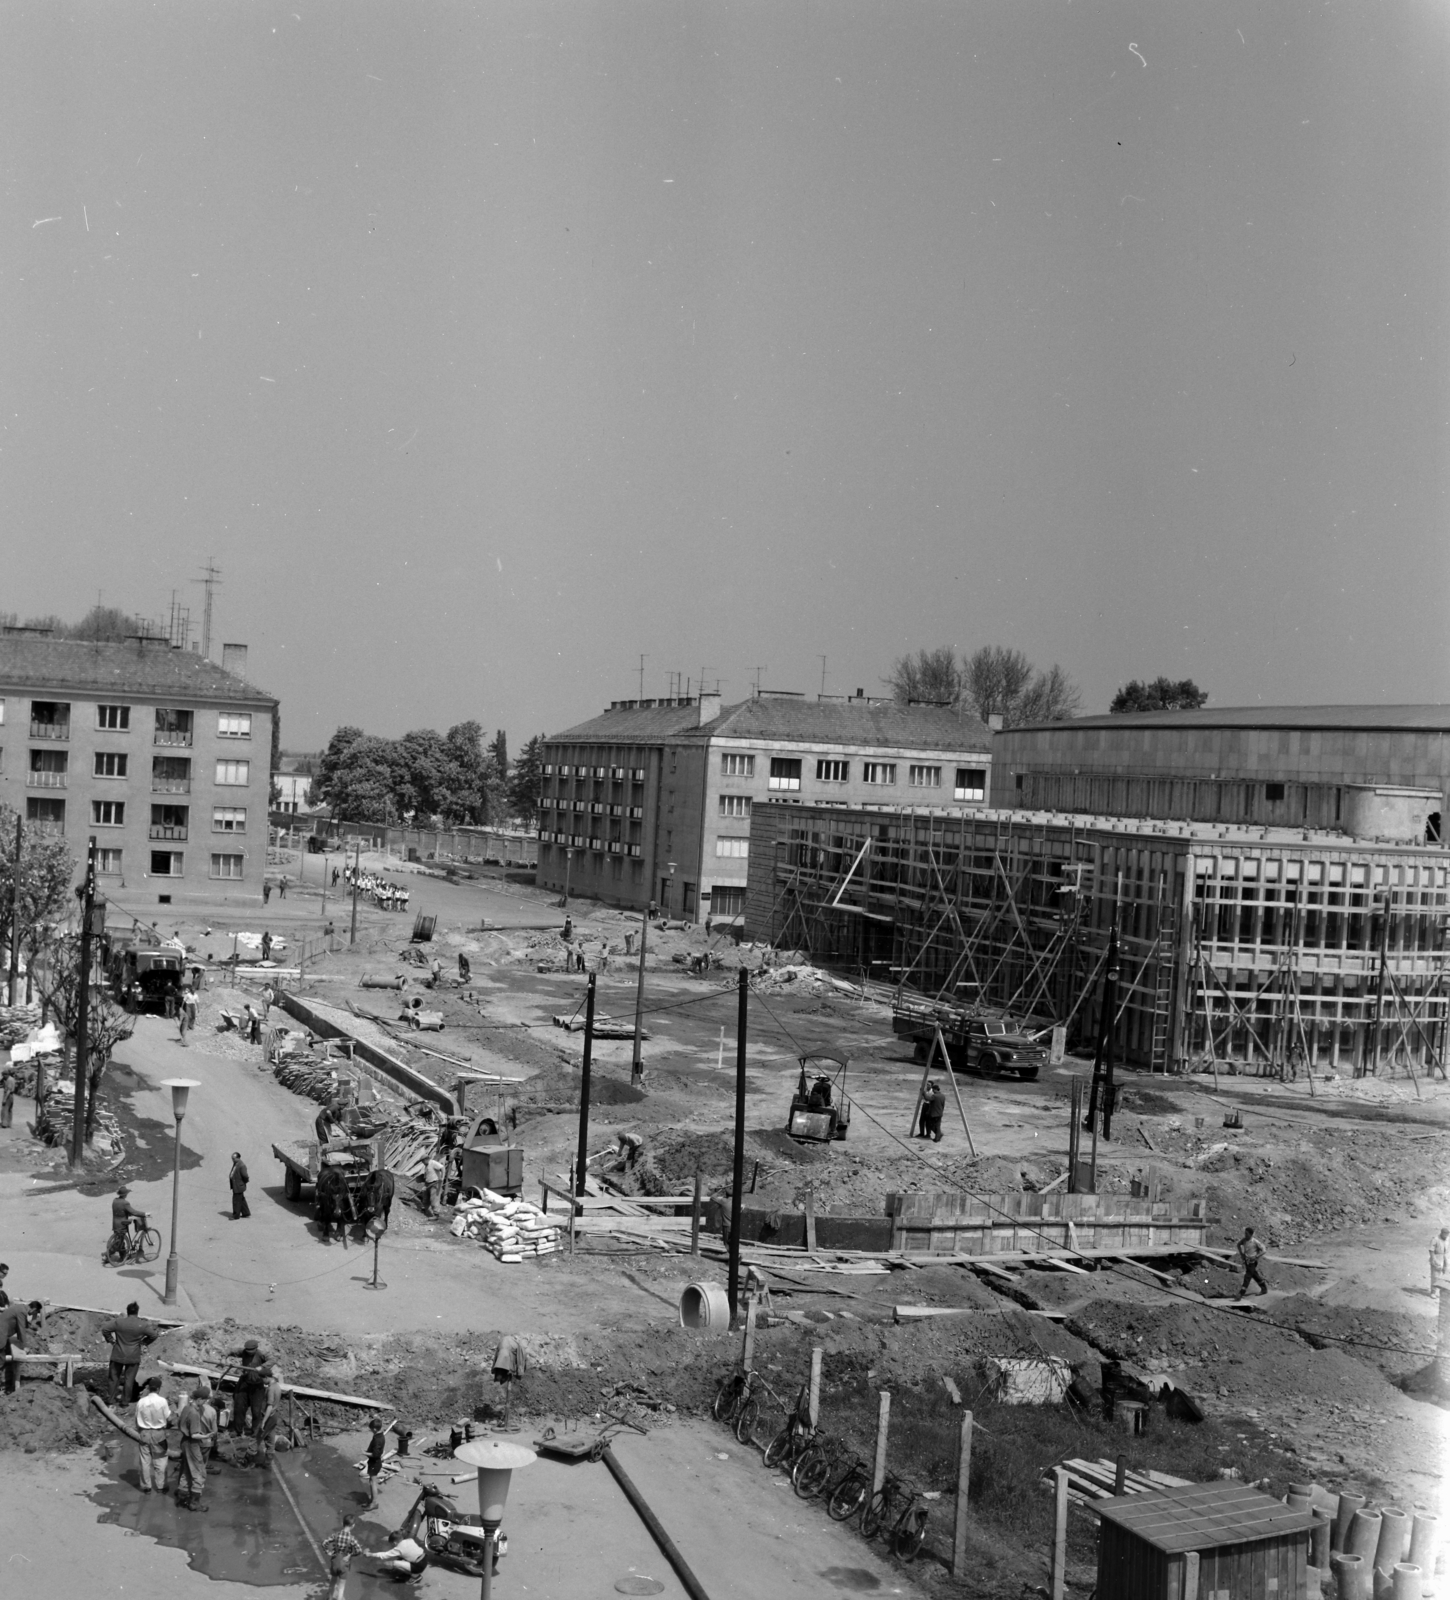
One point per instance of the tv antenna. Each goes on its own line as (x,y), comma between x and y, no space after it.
(211,575)
(641,675)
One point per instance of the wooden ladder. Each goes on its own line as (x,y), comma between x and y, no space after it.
(1162,1013)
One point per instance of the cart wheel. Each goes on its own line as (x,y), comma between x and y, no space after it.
(810,1474)
(291,1184)
(746,1419)
(910,1534)
(597,1449)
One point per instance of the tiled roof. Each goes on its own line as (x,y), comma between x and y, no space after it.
(1204,1516)
(1416,719)
(632,725)
(85,667)
(877,724)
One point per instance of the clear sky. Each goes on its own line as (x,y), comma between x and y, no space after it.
(488,346)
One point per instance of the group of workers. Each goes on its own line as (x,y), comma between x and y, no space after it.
(387,896)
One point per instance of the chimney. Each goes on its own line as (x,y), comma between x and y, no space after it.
(994,721)
(709,708)
(234,659)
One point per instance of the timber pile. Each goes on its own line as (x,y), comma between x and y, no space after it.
(511,1229)
(17,1023)
(407,1139)
(1096,1480)
(604,1027)
(55,1121)
(406,1146)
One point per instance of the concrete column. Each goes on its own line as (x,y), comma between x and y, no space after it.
(1394,1539)
(1364,1535)
(883,1426)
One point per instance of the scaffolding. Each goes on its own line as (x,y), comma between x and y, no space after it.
(1271,950)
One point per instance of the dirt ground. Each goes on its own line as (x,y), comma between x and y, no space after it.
(1350,1184)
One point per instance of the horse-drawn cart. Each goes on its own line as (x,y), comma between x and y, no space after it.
(343,1177)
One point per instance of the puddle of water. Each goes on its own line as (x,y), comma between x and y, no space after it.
(856,1579)
(251,1533)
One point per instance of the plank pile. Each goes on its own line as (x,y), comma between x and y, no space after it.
(511,1229)
(1096,1480)
(17,1023)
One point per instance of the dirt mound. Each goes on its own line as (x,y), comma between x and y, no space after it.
(559,1086)
(45,1417)
(1393,1341)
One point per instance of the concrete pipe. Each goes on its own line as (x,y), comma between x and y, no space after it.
(1409,1581)
(1425,1540)
(1351,1576)
(1319,1542)
(1348,1504)
(1300,1497)
(1364,1535)
(705,1305)
(1394,1541)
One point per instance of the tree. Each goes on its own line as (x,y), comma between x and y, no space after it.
(526,782)
(928,675)
(46,870)
(58,978)
(362,786)
(332,761)
(1003,682)
(1160,695)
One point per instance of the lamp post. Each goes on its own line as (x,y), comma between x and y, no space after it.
(180,1088)
(496,1461)
(568,864)
(670,895)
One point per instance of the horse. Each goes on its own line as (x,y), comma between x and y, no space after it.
(378,1196)
(334,1203)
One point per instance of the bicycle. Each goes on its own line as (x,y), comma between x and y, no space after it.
(909,1530)
(850,1493)
(142,1243)
(813,1467)
(737,1405)
(786,1448)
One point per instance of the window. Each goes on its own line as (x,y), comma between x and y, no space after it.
(110,764)
(113,719)
(169,822)
(616,774)
(108,813)
(172,726)
(48,815)
(599,772)
(229,819)
(832,771)
(1273,791)
(232,772)
(879,772)
(50,719)
(636,774)
(924,777)
(734,805)
(727,902)
(108,863)
(47,769)
(234,725)
(171,774)
(166,863)
(785,773)
(738,848)
(563,769)
(548,769)
(971,783)
(225,866)
(737,766)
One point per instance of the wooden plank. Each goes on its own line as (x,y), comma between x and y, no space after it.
(215,1377)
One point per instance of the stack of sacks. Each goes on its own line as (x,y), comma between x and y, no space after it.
(511,1229)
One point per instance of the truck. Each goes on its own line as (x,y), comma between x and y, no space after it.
(143,974)
(977,1042)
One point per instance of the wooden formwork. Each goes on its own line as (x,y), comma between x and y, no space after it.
(959,1224)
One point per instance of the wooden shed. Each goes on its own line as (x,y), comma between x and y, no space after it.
(1208,1541)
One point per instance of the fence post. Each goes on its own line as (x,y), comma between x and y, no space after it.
(1059,1536)
(964,1474)
(814,1402)
(883,1424)
(747,1358)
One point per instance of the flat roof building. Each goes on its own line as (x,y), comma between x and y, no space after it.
(159,753)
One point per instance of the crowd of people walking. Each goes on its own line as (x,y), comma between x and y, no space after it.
(384,894)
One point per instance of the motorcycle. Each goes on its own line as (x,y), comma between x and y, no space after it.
(450,1536)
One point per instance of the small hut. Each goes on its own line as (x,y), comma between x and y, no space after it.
(1202,1542)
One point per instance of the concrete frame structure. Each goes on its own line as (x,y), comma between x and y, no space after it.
(1284,766)
(1271,949)
(156,751)
(659,781)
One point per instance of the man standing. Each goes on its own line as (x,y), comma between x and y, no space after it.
(433,1170)
(932,1110)
(271,1415)
(465,974)
(128,1337)
(282,888)
(1251,1252)
(340,1548)
(1439,1259)
(266,896)
(186,1011)
(153,1417)
(121,1213)
(7,1098)
(237,1180)
(14,1322)
(376,1446)
(198,1434)
(251,1385)
(266,944)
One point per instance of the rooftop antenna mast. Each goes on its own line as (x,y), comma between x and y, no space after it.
(823,676)
(641,675)
(211,575)
(758,671)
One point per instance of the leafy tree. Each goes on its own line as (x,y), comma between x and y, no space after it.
(58,972)
(498,748)
(1160,695)
(336,753)
(526,781)
(363,785)
(994,680)
(46,870)
(928,675)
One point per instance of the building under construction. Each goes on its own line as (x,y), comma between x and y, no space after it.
(1272,949)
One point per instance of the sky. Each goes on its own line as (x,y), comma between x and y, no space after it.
(488,347)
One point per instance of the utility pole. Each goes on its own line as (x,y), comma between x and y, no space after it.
(15,909)
(636,1065)
(211,575)
(88,904)
(823,677)
(583,1156)
(356,863)
(738,1180)
(1110,1049)
(1377,1024)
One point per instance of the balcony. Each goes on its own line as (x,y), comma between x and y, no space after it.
(46,780)
(45,828)
(174,736)
(171,786)
(636,813)
(49,730)
(633,850)
(161,830)
(616,848)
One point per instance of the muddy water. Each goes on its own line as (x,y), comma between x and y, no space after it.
(251,1534)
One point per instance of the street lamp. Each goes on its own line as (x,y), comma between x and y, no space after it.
(568,863)
(670,897)
(180,1088)
(496,1461)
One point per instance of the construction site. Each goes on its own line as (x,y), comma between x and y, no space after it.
(1015,1357)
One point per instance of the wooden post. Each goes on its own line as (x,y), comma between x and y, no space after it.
(1190,1575)
(952,1078)
(811,1217)
(1059,1536)
(817,1355)
(921,1087)
(883,1426)
(695,1217)
(964,1474)
(747,1354)
(572,1211)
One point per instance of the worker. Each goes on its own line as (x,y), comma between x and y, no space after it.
(15,1322)
(153,1417)
(377,1445)
(568,929)
(198,1428)
(237,1180)
(7,1098)
(186,1011)
(433,1173)
(340,1548)
(819,1098)
(128,1337)
(932,1110)
(1439,1259)
(122,1213)
(465,971)
(266,1431)
(435,968)
(324,1122)
(267,944)
(630,1147)
(629,937)
(404,1560)
(251,1385)
(4,1274)
(1251,1253)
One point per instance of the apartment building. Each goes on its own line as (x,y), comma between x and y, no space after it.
(653,799)
(158,753)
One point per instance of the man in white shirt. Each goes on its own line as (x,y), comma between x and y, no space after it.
(433,1170)
(406,1559)
(153,1417)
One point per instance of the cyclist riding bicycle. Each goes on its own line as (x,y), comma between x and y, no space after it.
(126,1220)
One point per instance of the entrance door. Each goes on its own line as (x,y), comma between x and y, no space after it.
(688,911)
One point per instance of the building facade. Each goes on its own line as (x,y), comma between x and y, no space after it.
(1280,766)
(655,784)
(159,754)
